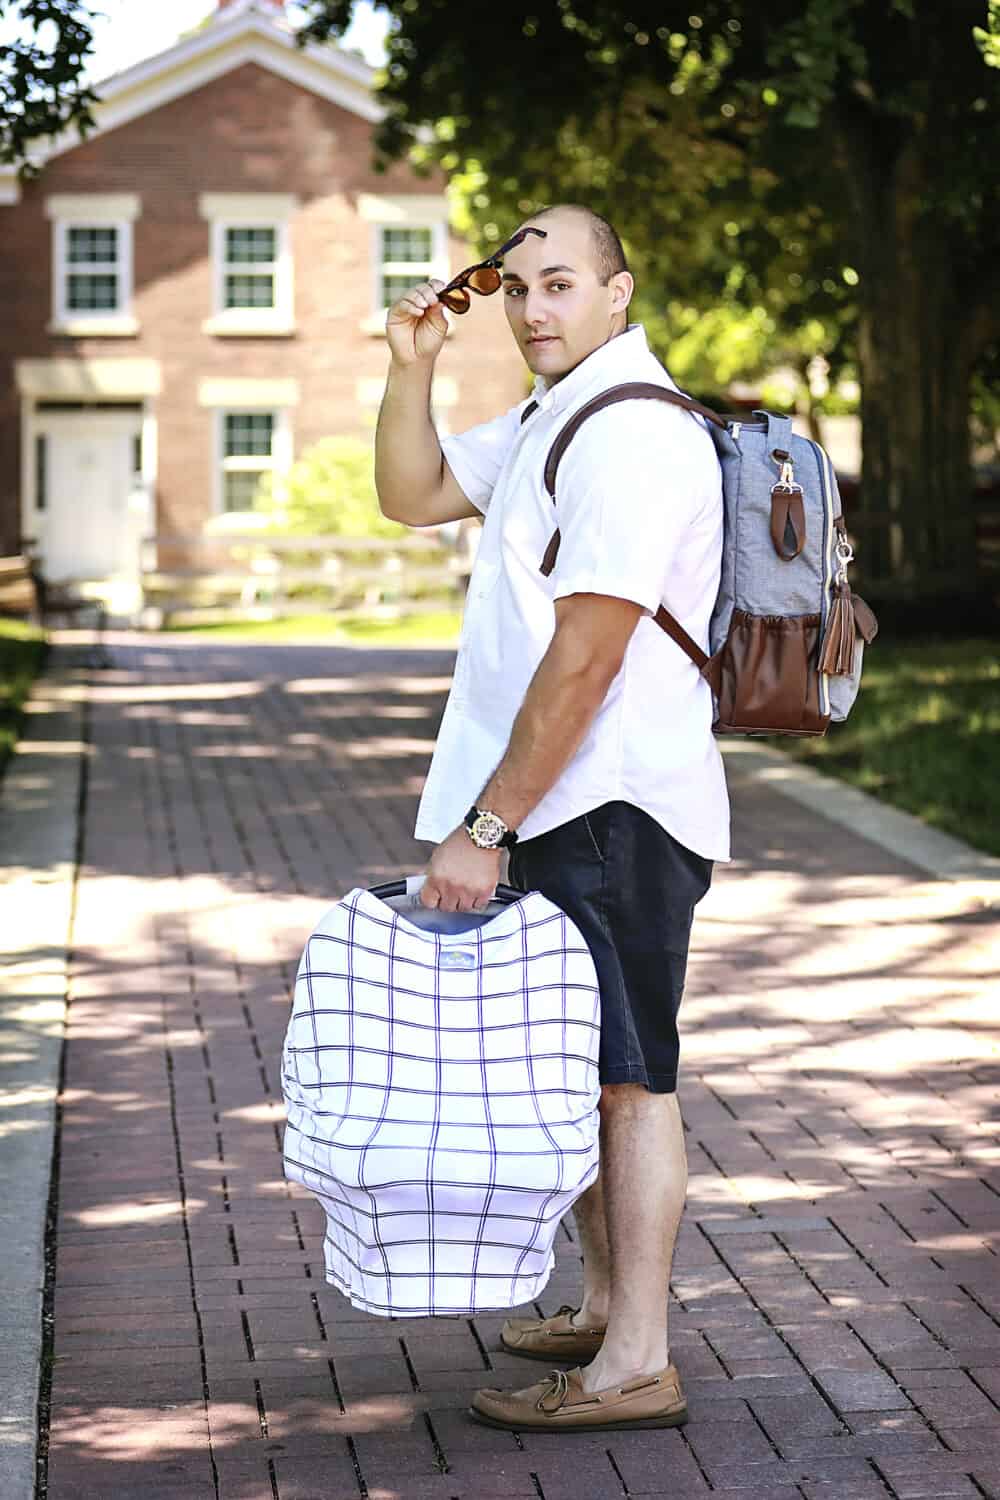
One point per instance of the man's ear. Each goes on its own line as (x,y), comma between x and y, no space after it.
(622,286)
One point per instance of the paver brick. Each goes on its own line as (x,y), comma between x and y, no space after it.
(853,1391)
(930,1487)
(861,1489)
(965,1440)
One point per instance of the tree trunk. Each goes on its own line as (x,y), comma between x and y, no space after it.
(916,520)
(916,508)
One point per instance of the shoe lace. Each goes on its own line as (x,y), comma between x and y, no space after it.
(553,1397)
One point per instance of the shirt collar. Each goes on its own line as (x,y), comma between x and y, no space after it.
(606,366)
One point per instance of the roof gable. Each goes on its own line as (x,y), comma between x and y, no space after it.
(246,31)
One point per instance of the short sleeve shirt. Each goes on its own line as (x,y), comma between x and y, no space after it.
(639,510)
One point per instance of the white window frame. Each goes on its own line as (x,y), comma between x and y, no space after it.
(275,268)
(402,211)
(279,463)
(226,211)
(417,270)
(116,211)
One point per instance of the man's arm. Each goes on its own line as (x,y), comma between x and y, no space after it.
(414,483)
(572,681)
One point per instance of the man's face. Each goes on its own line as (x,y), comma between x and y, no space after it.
(556,306)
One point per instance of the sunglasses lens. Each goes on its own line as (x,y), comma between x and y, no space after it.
(457,300)
(485,281)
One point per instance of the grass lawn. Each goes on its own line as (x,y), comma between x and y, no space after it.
(437,629)
(22,651)
(924,735)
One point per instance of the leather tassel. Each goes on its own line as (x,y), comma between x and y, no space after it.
(836,658)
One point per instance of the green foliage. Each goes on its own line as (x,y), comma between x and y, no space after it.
(924,735)
(986,403)
(806,173)
(988,36)
(22,654)
(724,144)
(40,90)
(330,491)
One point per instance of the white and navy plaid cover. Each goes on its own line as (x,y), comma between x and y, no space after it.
(442,1099)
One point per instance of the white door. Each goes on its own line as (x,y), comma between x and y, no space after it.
(90,460)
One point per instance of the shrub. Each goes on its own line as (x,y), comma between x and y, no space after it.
(330,491)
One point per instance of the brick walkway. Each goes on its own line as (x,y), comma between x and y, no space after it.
(837,1314)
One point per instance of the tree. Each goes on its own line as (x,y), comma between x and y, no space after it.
(822,159)
(40,90)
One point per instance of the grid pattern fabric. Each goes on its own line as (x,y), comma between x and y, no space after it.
(442,1095)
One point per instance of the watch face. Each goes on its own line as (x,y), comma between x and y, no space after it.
(488,830)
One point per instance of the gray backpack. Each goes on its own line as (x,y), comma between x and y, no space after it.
(787,634)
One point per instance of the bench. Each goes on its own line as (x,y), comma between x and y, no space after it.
(26,594)
(18,599)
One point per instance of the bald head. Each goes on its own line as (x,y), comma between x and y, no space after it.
(609,255)
(566,289)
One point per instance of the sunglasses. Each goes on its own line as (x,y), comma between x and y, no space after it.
(483,278)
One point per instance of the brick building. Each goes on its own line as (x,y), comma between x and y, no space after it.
(196,293)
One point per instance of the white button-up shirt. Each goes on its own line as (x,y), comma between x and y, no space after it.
(639,508)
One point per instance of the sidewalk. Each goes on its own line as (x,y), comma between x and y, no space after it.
(837,1313)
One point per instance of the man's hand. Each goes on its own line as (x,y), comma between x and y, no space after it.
(460,877)
(416,326)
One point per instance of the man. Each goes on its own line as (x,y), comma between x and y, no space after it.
(576,725)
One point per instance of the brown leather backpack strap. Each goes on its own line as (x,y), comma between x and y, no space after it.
(678,634)
(634,390)
(551,553)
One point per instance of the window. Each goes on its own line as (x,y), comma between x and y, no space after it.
(409,243)
(248,453)
(253,270)
(251,262)
(250,268)
(92,263)
(406,256)
(93,270)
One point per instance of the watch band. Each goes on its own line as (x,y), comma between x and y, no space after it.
(492,832)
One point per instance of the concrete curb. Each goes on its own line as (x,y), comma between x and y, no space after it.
(38,835)
(900,833)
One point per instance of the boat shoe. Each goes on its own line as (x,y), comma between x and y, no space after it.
(551,1338)
(560,1404)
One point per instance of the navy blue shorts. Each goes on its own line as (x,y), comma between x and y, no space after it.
(631,889)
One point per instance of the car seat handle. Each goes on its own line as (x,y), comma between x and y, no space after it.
(506,894)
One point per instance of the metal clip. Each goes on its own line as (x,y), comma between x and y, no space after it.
(786,473)
(845,556)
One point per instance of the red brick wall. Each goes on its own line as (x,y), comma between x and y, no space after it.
(248,131)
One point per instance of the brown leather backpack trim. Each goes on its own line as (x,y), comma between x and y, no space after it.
(787,515)
(634,390)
